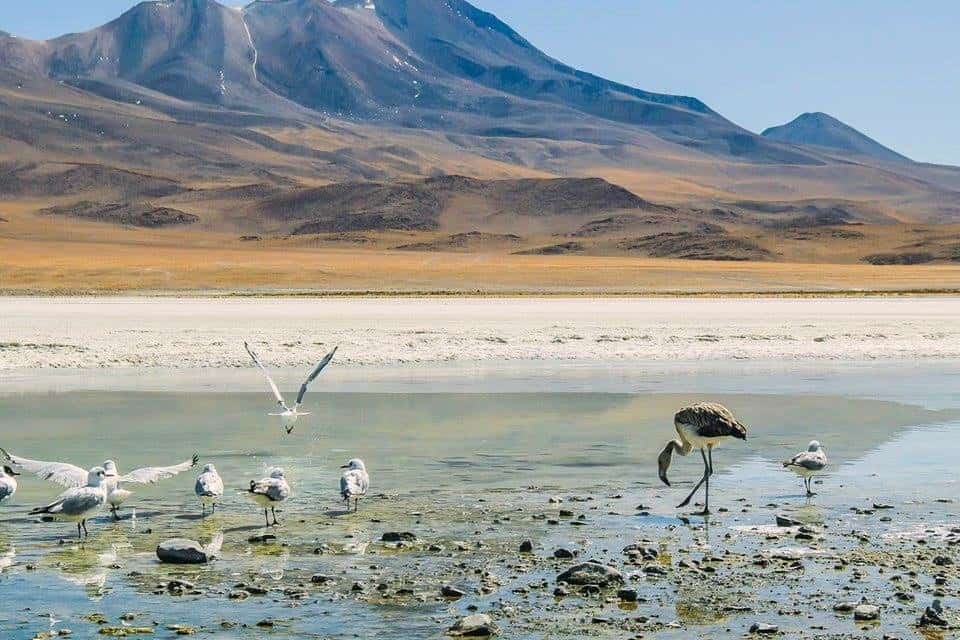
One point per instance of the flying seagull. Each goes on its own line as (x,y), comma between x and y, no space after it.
(270,492)
(78,503)
(807,464)
(354,482)
(700,426)
(68,475)
(209,488)
(8,483)
(288,416)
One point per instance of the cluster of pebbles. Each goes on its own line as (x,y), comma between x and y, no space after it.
(571,567)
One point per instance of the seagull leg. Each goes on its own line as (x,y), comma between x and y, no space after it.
(266,517)
(203,510)
(86,533)
(213,508)
(356,504)
(113,510)
(706,470)
(78,531)
(274,512)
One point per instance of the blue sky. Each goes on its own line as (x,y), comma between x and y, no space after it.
(886,67)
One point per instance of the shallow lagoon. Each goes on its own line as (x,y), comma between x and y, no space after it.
(471,474)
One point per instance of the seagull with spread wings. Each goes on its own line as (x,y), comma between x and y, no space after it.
(288,416)
(72,476)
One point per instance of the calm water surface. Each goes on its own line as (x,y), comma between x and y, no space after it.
(453,467)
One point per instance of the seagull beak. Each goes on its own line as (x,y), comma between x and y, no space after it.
(344,466)
(13,473)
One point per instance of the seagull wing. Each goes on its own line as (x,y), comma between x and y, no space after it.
(354,483)
(273,385)
(61,473)
(151,475)
(313,374)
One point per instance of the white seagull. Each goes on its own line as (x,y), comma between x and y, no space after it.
(807,464)
(354,482)
(8,483)
(700,426)
(288,416)
(209,488)
(269,492)
(68,475)
(78,503)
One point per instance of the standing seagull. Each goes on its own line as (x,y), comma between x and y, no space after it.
(702,426)
(269,492)
(8,483)
(354,482)
(68,475)
(209,488)
(288,416)
(807,464)
(78,503)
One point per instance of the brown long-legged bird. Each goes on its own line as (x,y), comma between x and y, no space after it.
(700,426)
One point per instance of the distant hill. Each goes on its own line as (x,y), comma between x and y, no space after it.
(427,125)
(824,130)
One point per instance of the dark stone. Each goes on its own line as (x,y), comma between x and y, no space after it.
(182,551)
(591,573)
(398,536)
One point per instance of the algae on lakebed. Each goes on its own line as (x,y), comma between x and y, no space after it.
(471,476)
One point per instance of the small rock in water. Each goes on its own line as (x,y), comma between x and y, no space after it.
(526,546)
(784,521)
(262,539)
(866,612)
(591,573)
(182,551)
(565,554)
(448,591)
(933,616)
(764,628)
(627,595)
(398,536)
(474,626)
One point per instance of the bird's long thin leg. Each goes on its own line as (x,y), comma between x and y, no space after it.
(213,508)
(113,510)
(274,512)
(78,531)
(706,469)
(706,499)
(85,532)
(203,510)
(266,517)
(356,504)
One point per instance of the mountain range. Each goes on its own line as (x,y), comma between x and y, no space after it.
(290,118)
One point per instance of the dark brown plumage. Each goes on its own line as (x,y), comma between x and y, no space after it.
(702,426)
(711,420)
